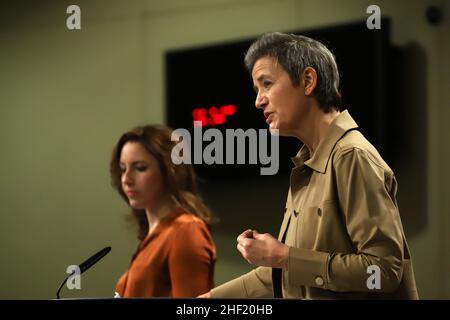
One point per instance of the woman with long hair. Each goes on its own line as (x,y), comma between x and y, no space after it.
(176,253)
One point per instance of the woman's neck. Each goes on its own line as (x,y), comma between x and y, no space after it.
(158,212)
(315,128)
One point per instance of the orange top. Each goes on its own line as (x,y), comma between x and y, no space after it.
(175,260)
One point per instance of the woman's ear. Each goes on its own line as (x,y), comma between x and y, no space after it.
(309,80)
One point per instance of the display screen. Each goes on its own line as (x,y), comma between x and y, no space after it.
(210,86)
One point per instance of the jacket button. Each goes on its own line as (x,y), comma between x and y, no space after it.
(295,213)
(319,281)
(319,212)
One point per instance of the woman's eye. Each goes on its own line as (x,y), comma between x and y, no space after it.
(141,168)
(266,84)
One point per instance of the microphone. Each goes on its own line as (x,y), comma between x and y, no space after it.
(86,265)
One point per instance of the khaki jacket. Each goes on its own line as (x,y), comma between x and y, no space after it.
(342,224)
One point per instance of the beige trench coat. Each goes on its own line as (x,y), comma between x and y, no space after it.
(345,236)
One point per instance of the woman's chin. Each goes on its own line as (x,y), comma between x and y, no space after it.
(274,128)
(136,205)
(274,131)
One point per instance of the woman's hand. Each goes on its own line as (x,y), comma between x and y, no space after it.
(262,249)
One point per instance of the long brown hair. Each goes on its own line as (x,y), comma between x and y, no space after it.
(180,179)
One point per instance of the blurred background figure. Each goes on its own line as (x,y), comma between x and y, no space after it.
(176,253)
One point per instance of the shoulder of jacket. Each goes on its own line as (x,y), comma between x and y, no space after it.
(188,219)
(355,142)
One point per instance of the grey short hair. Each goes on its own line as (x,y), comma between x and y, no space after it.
(295,53)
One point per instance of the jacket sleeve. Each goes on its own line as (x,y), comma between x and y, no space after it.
(366,193)
(255,284)
(191,260)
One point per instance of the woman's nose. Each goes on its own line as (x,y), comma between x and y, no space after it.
(127,178)
(261,101)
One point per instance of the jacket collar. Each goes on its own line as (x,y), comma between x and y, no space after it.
(318,162)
